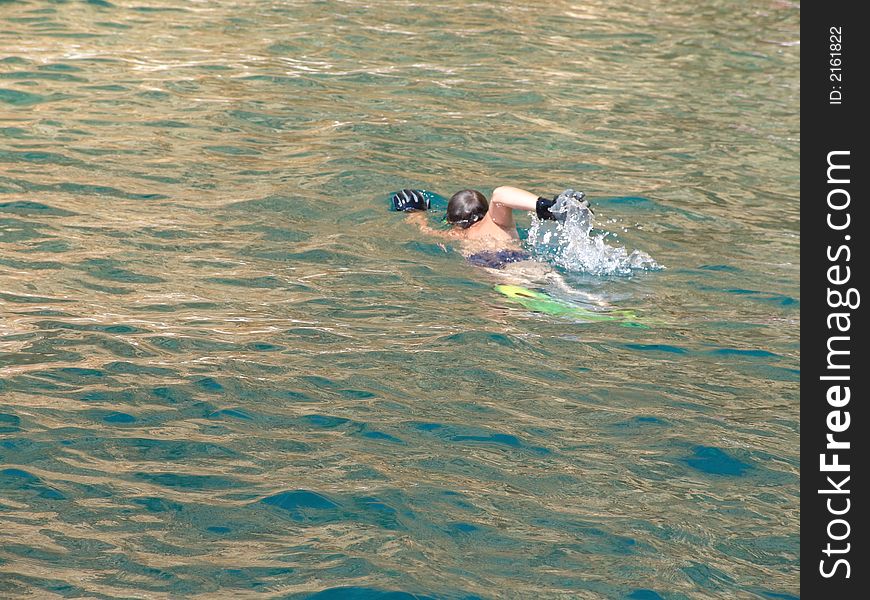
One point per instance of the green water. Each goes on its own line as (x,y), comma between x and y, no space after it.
(227,371)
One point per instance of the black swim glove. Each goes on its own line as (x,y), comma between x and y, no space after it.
(405,200)
(542,209)
(543,205)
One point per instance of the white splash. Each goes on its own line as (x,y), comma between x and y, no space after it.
(570,243)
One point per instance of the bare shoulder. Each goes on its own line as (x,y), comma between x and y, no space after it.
(489,227)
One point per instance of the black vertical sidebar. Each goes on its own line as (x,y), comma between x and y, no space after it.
(834,232)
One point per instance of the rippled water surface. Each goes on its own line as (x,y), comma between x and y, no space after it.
(228,371)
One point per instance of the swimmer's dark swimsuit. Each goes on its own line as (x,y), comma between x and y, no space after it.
(498,259)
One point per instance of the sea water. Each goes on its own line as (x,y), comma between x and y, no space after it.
(227,370)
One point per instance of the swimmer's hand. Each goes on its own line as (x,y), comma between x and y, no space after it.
(544,206)
(542,209)
(406,200)
(579,197)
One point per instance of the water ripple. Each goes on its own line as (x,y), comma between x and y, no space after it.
(226,368)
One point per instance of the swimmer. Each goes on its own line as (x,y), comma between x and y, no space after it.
(487,230)
(488,233)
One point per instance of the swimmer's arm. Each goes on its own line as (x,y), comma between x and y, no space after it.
(419,218)
(505,199)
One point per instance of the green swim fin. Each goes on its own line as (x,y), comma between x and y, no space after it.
(543,303)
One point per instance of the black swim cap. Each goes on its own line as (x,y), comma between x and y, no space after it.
(466,208)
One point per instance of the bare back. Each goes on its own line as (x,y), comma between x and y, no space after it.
(497,229)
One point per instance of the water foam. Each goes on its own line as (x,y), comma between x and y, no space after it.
(570,243)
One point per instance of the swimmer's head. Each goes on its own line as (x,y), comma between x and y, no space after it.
(466,208)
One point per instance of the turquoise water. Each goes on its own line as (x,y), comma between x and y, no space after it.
(227,371)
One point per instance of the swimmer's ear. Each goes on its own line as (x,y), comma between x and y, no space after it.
(405,200)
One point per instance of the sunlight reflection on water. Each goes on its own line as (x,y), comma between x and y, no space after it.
(226,368)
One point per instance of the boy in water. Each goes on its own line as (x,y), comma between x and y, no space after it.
(487,230)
